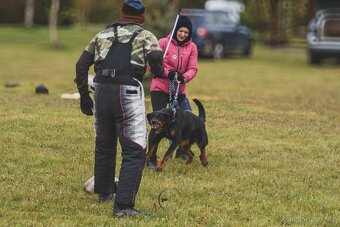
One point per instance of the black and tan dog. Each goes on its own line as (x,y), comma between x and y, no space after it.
(184,129)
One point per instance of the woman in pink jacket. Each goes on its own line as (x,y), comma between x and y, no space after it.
(181,58)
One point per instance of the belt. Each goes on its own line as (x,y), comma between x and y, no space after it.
(121,80)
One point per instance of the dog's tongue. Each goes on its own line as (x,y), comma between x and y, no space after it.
(154,124)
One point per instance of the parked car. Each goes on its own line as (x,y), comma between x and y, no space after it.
(216,34)
(324,35)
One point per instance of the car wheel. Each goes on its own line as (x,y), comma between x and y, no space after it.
(218,51)
(247,51)
(315,59)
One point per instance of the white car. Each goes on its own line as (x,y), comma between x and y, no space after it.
(324,35)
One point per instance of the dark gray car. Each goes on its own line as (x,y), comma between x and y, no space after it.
(217,35)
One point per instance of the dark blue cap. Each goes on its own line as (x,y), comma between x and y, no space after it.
(133,7)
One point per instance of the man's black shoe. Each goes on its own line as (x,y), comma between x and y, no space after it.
(105,197)
(129,211)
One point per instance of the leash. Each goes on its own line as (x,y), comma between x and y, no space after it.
(173,104)
(170,199)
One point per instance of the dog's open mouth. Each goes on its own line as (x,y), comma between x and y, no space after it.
(156,124)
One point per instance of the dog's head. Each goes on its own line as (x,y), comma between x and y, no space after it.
(160,120)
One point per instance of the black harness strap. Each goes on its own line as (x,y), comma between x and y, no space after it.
(116,67)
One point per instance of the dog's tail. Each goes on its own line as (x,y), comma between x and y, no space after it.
(201,110)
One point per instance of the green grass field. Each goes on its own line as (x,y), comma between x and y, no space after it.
(274,140)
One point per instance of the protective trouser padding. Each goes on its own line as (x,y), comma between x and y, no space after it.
(119,113)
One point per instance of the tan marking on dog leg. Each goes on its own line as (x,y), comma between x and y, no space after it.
(185,146)
(190,157)
(162,164)
(152,150)
(203,158)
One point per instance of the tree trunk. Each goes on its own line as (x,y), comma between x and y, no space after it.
(295,18)
(312,8)
(83,7)
(274,22)
(278,33)
(260,16)
(53,22)
(29,13)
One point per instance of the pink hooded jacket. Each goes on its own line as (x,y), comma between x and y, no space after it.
(181,58)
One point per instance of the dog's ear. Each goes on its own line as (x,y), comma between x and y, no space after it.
(149,116)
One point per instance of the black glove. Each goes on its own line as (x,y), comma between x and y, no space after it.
(180,78)
(86,104)
(155,60)
(171,74)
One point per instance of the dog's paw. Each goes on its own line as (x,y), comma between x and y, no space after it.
(204,160)
(160,167)
(189,160)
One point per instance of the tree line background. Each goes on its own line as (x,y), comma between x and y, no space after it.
(274,21)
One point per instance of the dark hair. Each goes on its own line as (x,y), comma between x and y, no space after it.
(183,21)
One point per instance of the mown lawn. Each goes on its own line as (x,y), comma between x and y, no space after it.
(274,140)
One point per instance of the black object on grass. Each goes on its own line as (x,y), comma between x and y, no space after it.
(41,89)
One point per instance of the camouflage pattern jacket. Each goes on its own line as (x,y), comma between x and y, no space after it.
(145,50)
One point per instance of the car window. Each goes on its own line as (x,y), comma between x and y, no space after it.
(196,19)
(210,18)
(219,19)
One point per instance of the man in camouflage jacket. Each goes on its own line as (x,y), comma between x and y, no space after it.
(120,54)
